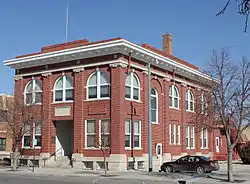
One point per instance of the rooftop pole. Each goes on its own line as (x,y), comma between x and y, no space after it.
(67,21)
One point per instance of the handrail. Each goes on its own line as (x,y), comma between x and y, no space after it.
(55,153)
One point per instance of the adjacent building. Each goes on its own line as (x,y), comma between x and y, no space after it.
(5,132)
(85,92)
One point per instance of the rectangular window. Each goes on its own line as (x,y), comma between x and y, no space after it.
(38,134)
(170,133)
(174,134)
(26,136)
(137,134)
(2,144)
(69,94)
(58,95)
(201,137)
(90,133)
(179,134)
(104,133)
(170,101)
(205,138)
(38,97)
(187,137)
(176,102)
(127,133)
(104,91)
(29,99)
(192,141)
(92,92)
(127,92)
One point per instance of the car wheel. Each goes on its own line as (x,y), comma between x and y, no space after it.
(168,169)
(200,170)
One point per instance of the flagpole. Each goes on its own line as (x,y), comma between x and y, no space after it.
(67,20)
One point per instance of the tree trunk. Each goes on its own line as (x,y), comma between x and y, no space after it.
(105,163)
(230,165)
(15,158)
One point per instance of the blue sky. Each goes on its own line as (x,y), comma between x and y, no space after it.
(28,25)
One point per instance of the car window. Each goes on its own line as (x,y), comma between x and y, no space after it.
(191,159)
(204,158)
(183,159)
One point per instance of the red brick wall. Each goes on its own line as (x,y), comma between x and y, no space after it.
(117,109)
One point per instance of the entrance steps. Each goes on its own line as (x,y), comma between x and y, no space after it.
(59,162)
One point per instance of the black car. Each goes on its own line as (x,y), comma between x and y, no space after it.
(199,164)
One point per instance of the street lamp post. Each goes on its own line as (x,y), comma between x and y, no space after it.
(150,165)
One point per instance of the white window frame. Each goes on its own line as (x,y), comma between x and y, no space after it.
(63,89)
(128,133)
(170,133)
(174,131)
(189,95)
(33,92)
(98,85)
(204,138)
(137,134)
(203,104)
(26,133)
(86,134)
(173,97)
(157,108)
(188,137)
(36,134)
(132,87)
(105,133)
(192,137)
(179,134)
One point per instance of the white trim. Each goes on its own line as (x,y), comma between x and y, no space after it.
(115,43)
(36,134)
(86,134)
(189,96)
(133,75)
(170,133)
(174,134)
(63,89)
(172,87)
(25,134)
(192,136)
(179,134)
(33,92)
(128,134)
(187,137)
(157,107)
(98,85)
(140,132)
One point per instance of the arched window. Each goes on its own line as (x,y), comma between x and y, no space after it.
(132,87)
(33,92)
(173,97)
(63,90)
(203,104)
(98,85)
(189,100)
(154,106)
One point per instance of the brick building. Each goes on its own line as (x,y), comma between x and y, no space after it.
(82,87)
(5,133)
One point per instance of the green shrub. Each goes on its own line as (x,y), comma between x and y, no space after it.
(245,153)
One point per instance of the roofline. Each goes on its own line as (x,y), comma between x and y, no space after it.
(109,43)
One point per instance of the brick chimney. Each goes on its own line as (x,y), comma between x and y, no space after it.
(167,43)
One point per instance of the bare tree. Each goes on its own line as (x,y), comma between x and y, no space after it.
(104,142)
(21,120)
(228,100)
(243,9)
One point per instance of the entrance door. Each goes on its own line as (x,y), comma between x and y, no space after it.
(159,152)
(217,144)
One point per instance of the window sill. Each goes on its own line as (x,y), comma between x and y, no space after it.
(26,148)
(190,111)
(38,147)
(190,148)
(174,108)
(33,104)
(204,148)
(128,99)
(172,144)
(61,102)
(133,149)
(96,99)
(155,123)
(92,148)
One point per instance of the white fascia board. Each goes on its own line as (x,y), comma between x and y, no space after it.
(110,44)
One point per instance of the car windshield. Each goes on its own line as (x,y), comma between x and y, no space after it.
(204,158)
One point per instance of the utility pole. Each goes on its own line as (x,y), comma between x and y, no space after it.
(150,164)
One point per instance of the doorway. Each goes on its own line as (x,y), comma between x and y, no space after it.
(159,152)
(64,138)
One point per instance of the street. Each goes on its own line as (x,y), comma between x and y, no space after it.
(24,179)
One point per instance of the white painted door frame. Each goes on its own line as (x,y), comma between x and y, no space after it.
(159,152)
